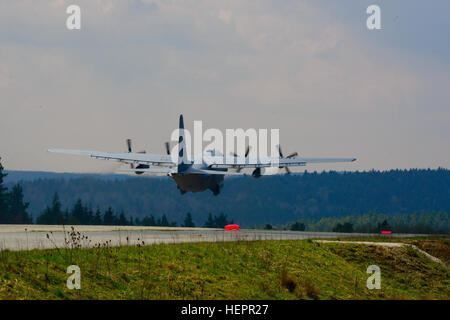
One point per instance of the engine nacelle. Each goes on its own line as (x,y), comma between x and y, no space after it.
(258,172)
(141,166)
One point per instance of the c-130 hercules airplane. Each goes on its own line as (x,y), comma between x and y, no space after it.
(208,173)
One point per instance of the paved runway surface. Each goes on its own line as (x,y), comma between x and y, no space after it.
(28,237)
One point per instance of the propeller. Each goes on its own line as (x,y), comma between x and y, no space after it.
(167,148)
(129,145)
(289,156)
(130,150)
(247,151)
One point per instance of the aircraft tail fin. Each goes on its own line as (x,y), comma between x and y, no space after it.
(182,152)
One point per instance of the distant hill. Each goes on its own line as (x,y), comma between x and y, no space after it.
(248,201)
(15,176)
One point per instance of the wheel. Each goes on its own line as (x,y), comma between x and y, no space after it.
(216,190)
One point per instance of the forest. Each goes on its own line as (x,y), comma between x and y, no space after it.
(81,214)
(318,200)
(419,223)
(13,209)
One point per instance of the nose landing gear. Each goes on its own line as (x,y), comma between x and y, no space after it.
(181,190)
(216,190)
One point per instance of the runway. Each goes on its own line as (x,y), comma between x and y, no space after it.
(29,237)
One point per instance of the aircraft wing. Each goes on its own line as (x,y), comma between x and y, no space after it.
(277,162)
(214,172)
(126,157)
(152,170)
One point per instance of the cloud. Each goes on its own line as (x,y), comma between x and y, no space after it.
(333,88)
(225,16)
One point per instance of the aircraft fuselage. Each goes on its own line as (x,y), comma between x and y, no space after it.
(198,182)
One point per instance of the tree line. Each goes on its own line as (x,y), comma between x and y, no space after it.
(13,208)
(422,223)
(249,201)
(82,214)
(314,202)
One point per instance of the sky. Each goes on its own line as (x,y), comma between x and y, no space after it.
(311,69)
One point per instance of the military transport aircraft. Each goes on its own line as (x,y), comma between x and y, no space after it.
(208,173)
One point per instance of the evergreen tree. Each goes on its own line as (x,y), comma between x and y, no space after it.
(3,197)
(149,221)
(188,221)
(53,214)
(163,221)
(338,228)
(298,226)
(78,213)
(98,217)
(221,221)
(17,207)
(90,218)
(384,226)
(109,217)
(346,227)
(122,221)
(218,221)
(210,222)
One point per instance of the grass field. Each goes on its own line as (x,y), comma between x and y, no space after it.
(298,269)
(437,246)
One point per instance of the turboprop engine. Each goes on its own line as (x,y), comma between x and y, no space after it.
(139,166)
(259,172)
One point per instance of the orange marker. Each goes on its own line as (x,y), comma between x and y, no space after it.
(232,227)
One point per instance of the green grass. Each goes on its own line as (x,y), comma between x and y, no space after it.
(438,246)
(299,269)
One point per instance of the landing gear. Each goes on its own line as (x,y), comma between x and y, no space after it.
(181,190)
(216,190)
